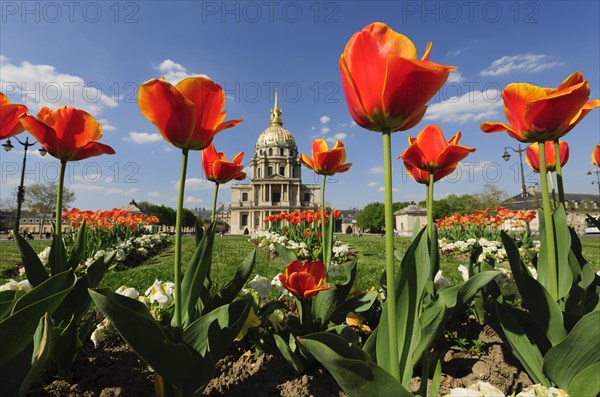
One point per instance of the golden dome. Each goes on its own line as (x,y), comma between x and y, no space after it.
(276,135)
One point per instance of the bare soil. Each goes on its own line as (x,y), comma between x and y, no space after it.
(114,370)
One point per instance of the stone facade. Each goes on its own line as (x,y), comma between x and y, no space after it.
(407,217)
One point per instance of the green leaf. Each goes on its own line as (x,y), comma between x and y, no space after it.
(351,367)
(66,344)
(18,328)
(431,323)
(195,275)
(437,380)
(42,342)
(289,355)
(285,253)
(232,289)
(36,273)
(542,307)
(579,350)
(526,352)
(586,382)
(358,304)
(57,256)
(457,297)
(327,248)
(174,361)
(325,303)
(7,301)
(199,230)
(78,248)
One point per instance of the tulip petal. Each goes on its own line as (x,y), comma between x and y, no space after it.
(293,267)
(307,161)
(515,98)
(317,269)
(43,133)
(326,162)
(432,143)
(596,156)
(227,124)
(223,172)
(532,157)
(312,292)
(74,128)
(318,146)
(301,282)
(573,79)
(4,100)
(343,168)
(588,107)
(414,156)
(237,159)
(92,149)
(9,119)
(170,111)
(453,154)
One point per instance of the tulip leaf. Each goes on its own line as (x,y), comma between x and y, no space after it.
(232,289)
(7,301)
(327,242)
(579,350)
(325,303)
(14,372)
(195,275)
(522,347)
(78,248)
(586,382)
(432,323)
(28,310)
(285,253)
(456,297)
(36,273)
(41,352)
(358,304)
(542,307)
(57,256)
(289,355)
(410,283)
(199,230)
(352,369)
(172,360)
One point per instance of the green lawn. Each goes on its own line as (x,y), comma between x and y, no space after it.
(230,251)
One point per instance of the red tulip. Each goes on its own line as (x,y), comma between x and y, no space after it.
(304,280)
(67,133)
(430,152)
(596,156)
(9,117)
(386,86)
(217,169)
(421,176)
(533,155)
(189,114)
(540,114)
(324,161)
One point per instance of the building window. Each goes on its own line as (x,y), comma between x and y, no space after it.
(244,196)
(270,152)
(281,152)
(282,171)
(244,219)
(270,171)
(295,172)
(259,172)
(307,197)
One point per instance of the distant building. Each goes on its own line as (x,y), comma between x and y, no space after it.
(407,217)
(275,185)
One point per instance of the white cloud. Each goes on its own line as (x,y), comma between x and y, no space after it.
(340,136)
(453,53)
(470,107)
(325,119)
(325,130)
(175,72)
(394,189)
(42,85)
(154,194)
(196,184)
(455,77)
(372,184)
(111,191)
(528,63)
(143,137)
(106,126)
(376,170)
(168,149)
(194,200)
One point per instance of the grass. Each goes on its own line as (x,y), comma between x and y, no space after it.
(230,251)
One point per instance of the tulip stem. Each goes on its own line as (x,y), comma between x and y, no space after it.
(559,177)
(58,226)
(178,218)
(323,248)
(552,189)
(430,208)
(390,300)
(548,226)
(214,209)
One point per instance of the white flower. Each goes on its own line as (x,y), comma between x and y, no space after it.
(479,389)
(161,292)
(460,392)
(24,286)
(44,255)
(261,285)
(542,391)
(488,390)
(278,286)
(10,285)
(102,330)
(533,271)
(277,320)
(121,255)
(128,292)
(440,281)
(464,271)
(334,270)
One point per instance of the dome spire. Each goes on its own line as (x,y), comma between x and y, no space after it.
(276,113)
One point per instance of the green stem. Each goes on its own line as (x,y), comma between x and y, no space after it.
(552,189)
(390,300)
(548,226)
(559,176)
(323,221)
(178,297)
(430,208)
(214,209)
(58,226)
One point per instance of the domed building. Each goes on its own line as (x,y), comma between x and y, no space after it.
(275,185)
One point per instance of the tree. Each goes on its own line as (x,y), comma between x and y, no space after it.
(492,196)
(40,198)
(371,217)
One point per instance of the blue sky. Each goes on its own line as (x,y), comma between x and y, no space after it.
(94,56)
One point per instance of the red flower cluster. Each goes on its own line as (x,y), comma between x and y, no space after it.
(304,279)
(296,217)
(483,218)
(106,220)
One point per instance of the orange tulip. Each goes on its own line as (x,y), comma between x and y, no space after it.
(430,152)
(596,156)
(9,117)
(217,169)
(67,133)
(533,155)
(386,86)
(324,161)
(540,114)
(421,176)
(304,280)
(189,114)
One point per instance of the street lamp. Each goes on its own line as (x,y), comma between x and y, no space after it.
(8,146)
(506,157)
(597,181)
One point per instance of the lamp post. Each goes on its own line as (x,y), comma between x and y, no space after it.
(506,157)
(8,146)
(597,181)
